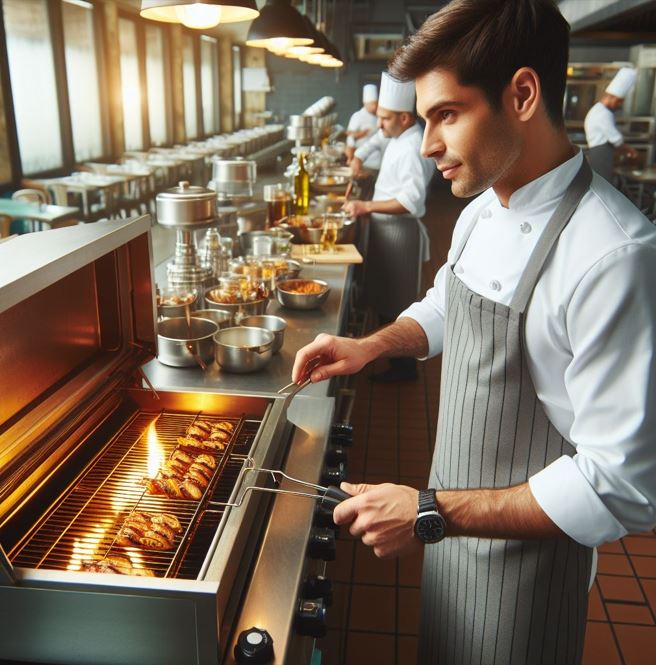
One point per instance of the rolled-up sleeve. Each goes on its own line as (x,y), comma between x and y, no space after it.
(608,488)
(412,192)
(429,313)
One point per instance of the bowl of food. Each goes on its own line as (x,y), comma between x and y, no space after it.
(243,349)
(172,303)
(275,324)
(302,293)
(235,302)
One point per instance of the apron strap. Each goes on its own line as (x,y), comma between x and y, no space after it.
(463,241)
(559,220)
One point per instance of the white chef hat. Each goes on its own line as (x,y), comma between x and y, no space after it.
(396,95)
(369,93)
(621,85)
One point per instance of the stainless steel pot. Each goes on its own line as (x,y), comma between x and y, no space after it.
(301,121)
(221,317)
(293,300)
(275,324)
(237,309)
(242,350)
(186,206)
(185,343)
(234,170)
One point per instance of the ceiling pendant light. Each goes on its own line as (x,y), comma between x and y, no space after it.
(279,26)
(199,15)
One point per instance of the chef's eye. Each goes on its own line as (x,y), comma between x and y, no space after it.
(445,116)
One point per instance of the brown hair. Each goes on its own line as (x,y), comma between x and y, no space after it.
(484,42)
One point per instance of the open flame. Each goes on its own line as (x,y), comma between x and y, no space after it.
(155,451)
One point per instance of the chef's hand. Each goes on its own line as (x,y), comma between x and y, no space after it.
(337,356)
(355,208)
(356,167)
(383,516)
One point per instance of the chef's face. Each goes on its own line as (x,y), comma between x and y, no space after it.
(472,144)
(371,107)
(390,122)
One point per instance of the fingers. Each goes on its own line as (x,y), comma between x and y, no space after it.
(319,347)
(347,511)
(360,488)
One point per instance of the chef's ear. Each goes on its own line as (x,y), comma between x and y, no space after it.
(525,92)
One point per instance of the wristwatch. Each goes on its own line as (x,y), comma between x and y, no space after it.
(430,526)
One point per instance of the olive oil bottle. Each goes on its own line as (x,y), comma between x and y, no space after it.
(301,187)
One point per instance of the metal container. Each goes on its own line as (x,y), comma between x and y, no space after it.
(301,121)
(310,234)
(247,240)
(186,206)
(234,170)
(243,350)
(275,324)
(300,133)
(301,300)
(185,343)
(172,311)
(237,309)
(221,317)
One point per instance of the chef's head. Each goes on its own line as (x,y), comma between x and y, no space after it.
(619,88)
(490,81)
(370,98)
(396,105)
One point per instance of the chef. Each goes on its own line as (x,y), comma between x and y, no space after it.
(398,241)
(545,316)
(362,125)
(603,138)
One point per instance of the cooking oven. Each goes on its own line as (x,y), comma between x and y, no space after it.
(119,545)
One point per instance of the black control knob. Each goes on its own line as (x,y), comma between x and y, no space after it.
(333,475)
(311,618)
(341,434)
(336,455)
(322,544)
(254,646)
(323,517)
(318,586)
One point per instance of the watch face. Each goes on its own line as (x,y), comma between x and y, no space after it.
(430,528)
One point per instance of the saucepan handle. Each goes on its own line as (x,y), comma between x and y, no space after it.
(334,496)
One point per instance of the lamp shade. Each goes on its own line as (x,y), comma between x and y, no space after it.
(279,26)
(199,15)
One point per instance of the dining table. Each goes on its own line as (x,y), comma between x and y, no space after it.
(39,213)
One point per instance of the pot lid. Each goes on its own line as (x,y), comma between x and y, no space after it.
(187,192)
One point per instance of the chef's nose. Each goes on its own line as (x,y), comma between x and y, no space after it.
(432,144)
(379,122)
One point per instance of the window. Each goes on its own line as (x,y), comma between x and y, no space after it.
(209,84)
(189,86)
(236,84)
(82,77)
(130,84)
(33,85)
(155,78)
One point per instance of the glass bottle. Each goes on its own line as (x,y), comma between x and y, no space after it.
(301,187)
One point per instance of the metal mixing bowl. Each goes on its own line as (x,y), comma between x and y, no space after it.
(182,343)
(301,300)
(238,310)
(242,350)
(275,324)
(221,317)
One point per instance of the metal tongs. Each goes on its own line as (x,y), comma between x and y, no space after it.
(329,495)
(291,389)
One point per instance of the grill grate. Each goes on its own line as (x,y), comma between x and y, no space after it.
(83,524)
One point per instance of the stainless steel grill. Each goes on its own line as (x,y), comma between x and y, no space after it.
(82,526)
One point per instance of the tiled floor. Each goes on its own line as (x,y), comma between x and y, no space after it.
(375,613)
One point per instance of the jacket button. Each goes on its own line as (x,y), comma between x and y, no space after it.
(525,227)
(495,285)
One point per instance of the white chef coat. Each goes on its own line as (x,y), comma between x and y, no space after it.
(600,127)
(360,120)
(370,149)
(404,173)
(590,342)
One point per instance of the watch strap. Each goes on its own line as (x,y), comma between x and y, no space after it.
(427,501)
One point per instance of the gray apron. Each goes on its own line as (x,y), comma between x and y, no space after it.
(493,601)
(396,248)
(602,159)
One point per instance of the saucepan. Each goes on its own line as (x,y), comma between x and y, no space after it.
(183,342)
(244,349)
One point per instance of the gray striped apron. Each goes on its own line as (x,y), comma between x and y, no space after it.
(602,159)
(494,601)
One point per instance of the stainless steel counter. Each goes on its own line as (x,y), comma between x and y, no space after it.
(302,328)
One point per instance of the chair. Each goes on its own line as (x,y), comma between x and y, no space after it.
(32,196)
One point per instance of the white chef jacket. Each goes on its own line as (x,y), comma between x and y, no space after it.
(370,150)
(404,173)
(590,342)
(600,127)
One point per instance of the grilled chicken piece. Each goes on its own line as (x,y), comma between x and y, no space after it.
(116,564)
(197,446)
(179,455)
(220,435)
(168,486)
(206,460)
(199,430)
(224,425)
(191,490)
(204,471)
(154,531)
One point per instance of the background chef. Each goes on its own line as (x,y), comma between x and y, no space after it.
(398,241)
(603,138)
(362,125)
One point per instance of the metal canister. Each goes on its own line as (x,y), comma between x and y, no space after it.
(186,207)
